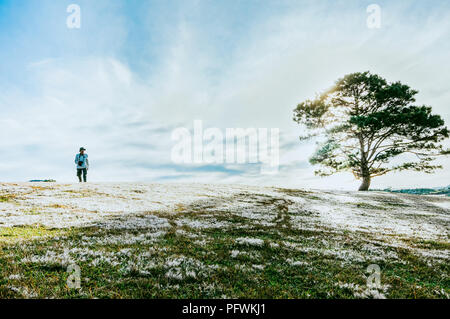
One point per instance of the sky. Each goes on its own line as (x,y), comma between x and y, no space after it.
(135,71)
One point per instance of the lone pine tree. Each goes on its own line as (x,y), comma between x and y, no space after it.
(371,127)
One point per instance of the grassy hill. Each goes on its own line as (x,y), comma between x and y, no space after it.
(220,241)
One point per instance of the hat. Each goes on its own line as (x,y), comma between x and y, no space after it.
(82,149)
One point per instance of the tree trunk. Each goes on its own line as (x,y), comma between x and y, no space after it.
(364,169)
(365,184)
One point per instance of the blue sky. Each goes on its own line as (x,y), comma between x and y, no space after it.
(136,70)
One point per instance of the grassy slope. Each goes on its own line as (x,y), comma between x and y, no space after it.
(209,249)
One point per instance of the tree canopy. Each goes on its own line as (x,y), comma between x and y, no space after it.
(371,127)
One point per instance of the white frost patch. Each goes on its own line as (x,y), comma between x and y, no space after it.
(443,204)
(435,254)
(80,205)
(174,274)
(182,267)
(388,221)
(443,293)
(292,262)
(123,239)
(365,292)
(135,222)
(187,234)
(250,241)
(235,253)
(132,206)
(274,245)
(51,257)
(15,277)
(259,267)
(23,291)
(68,256)
(201,223)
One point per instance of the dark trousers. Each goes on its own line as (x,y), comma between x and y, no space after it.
(84,171)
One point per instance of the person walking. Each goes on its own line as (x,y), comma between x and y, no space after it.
(81,159)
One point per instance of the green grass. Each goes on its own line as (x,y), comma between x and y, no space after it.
(6,197)
(207,253)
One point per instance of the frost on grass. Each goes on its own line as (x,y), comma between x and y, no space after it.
(364,292)
(24,292)
(250,241)
(15,277)
(126,238)
(183,267)
(201,224)
(169,231)
(80,205)
(258,267)
(293,262)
